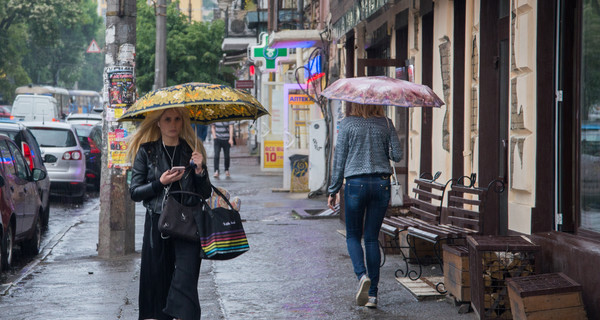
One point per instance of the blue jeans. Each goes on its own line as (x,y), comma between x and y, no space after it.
(366,199)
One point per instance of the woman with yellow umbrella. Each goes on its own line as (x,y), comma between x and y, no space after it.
(164,141)
(170,267)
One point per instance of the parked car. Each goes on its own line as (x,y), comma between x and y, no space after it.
(84,118)
(5,112)
(20,205)
(63,156)
(90,138)
(30,149)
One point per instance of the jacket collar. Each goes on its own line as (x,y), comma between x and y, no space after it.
(164,163)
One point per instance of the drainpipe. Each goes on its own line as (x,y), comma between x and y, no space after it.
(557,101)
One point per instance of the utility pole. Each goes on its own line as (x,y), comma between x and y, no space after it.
(116,234)
(160,64)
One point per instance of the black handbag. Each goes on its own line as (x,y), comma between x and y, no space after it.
(221,231)
(178,220)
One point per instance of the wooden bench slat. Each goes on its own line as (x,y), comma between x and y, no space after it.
(462,212)
(457,199)
(462,231)
(461,188)
(463,222)
(429,184)
(424,215)
(426,194)
(436,229)
(422,234)
(427,206)
(389,230)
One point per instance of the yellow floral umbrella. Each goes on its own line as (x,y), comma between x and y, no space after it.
(207,103)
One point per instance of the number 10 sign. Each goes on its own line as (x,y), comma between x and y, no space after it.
(273,154)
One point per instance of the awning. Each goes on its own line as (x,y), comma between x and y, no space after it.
(237,44)
(295,39)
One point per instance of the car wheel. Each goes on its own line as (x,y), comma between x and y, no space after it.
(32,246)
(7,247)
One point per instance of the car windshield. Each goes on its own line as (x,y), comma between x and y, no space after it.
(83,130)
(54,137)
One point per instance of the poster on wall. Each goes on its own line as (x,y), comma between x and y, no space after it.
(117,148)
(121,95)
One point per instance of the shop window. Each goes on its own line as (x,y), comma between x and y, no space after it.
(589,126)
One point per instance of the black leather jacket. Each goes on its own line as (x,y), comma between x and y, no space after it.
(150,162)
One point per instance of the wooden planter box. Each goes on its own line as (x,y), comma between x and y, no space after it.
(492,260)
(456,272)
(545,296)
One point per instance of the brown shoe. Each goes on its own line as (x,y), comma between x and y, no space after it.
(216,175)
(227,173)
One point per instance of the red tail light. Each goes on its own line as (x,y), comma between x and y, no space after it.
(54,119)
(72,155)
(93,146)
(12,117)
(27,154)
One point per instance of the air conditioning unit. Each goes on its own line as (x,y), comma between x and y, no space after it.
(237,25)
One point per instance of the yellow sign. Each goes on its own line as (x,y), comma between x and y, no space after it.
(273,151)
(299,100)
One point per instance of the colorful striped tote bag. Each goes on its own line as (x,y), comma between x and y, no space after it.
(221,232)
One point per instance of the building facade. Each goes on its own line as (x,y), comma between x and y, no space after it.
(522,105)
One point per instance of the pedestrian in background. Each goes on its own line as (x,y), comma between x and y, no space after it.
(201,131)
(222,133)
(366,143)
(170,267)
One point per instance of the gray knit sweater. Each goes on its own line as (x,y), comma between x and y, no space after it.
(364,146)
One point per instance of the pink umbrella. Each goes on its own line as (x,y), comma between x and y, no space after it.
(382,90)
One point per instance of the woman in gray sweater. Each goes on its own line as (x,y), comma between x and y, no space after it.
(366,143)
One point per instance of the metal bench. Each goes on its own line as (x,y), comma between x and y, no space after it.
(425,211)
(465,216)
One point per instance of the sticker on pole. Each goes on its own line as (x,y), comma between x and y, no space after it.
(93,47)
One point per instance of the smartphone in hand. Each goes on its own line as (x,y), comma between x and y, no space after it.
(177,168)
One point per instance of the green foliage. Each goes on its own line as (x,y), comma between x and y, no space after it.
(13,34)
(193,49)
(44,42)
(59,37)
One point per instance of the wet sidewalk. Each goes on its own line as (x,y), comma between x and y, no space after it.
(295,269)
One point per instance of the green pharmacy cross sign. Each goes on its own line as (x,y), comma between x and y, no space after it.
(267,56)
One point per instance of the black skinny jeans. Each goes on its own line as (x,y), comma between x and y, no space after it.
(221,144)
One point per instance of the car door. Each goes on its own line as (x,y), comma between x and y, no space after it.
(30,196)
(13,187)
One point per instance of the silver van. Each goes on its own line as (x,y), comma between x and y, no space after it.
(38,108)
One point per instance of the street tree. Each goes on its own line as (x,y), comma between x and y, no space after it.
(193,49)
(13,33)
(59,33)
(43,41)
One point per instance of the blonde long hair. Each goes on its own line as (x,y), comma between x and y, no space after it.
(149,131)
(364,110)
